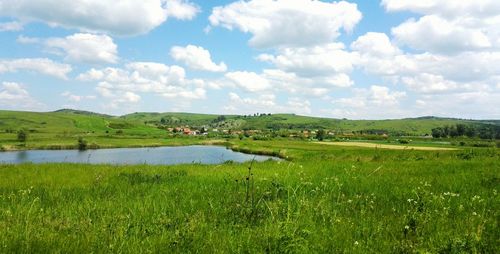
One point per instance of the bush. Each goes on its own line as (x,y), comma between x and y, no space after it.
(22,136)
(82,144)
(404,141)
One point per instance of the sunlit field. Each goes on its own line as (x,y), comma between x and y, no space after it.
(322,199)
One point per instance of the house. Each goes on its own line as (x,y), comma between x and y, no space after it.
(186,131)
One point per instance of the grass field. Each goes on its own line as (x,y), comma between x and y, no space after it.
(382,146)
(324,199)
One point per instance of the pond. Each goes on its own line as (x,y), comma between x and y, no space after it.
(125,156)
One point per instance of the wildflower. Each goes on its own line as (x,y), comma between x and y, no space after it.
(356,243)
(407,227)
(474,213)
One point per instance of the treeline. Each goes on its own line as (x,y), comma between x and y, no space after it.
(482,131)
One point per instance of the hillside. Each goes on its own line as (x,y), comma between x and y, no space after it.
(66,122)
(75,121)
(412,126)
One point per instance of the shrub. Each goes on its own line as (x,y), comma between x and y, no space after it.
(22,136)
(404,141)
(82,144)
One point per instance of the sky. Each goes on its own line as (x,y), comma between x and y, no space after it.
(365,59)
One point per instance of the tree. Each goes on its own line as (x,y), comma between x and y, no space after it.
(437,132)
(320,135)
(22,136)
(163,121)
(82,144)
(461,128)
(470,131)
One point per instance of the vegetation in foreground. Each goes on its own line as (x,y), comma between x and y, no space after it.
(326,199)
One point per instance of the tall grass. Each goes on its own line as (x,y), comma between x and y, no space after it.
(325,200)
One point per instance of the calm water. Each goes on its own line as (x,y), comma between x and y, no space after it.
(160,155)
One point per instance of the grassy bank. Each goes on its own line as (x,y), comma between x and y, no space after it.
(326,199)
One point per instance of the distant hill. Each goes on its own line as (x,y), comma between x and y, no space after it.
(80,112)
(69,120)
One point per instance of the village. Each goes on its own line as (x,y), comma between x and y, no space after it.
(319,134)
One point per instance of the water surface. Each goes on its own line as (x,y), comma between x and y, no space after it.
(158,156)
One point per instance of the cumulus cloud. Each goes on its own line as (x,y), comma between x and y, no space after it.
(375,44)
(39,65)
(314,70)
(77,98)
(125,18)
(265,103)
(249,81)
(460,105)
(84,48)
(373,102)
(181,9)
(446,8)
(275,80)
(196,58)
(437,35)
(123,85)
(287,23)
(11,26)
(427,72)
(14,96)
(312,61)
(447,26)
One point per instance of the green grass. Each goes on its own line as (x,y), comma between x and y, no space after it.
(325,199)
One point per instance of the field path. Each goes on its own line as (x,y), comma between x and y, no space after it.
(393,147)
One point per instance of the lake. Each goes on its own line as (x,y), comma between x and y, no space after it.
(121,156)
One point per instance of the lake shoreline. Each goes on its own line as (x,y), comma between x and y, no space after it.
(216,142)
(166,155)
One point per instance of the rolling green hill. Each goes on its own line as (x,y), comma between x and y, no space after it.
(74,122)
(411,126)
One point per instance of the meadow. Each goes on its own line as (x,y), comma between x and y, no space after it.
(322,199)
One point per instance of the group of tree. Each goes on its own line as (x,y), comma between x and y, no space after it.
(483,131)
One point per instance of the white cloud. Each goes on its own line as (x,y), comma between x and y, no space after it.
(196,58)
(84,48)
(428,72)
(265,103)
(447,8)
(473,104)
(437,35)
(428,83)
(27,40)
(374,102)
(381,95)
(375,44)
(181,9)
(275,80)
(77,98)
(449,27)
(312,61)
(126,17)
(287,23)
(11,26)
(124,85)
(249,81)
(39,65)
(15,96)
(12,91)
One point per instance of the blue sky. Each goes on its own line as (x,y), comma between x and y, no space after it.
(341,59)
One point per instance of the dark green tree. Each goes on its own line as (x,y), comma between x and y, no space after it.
(437,132)
(22,136)
(82,144)
(320,134)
